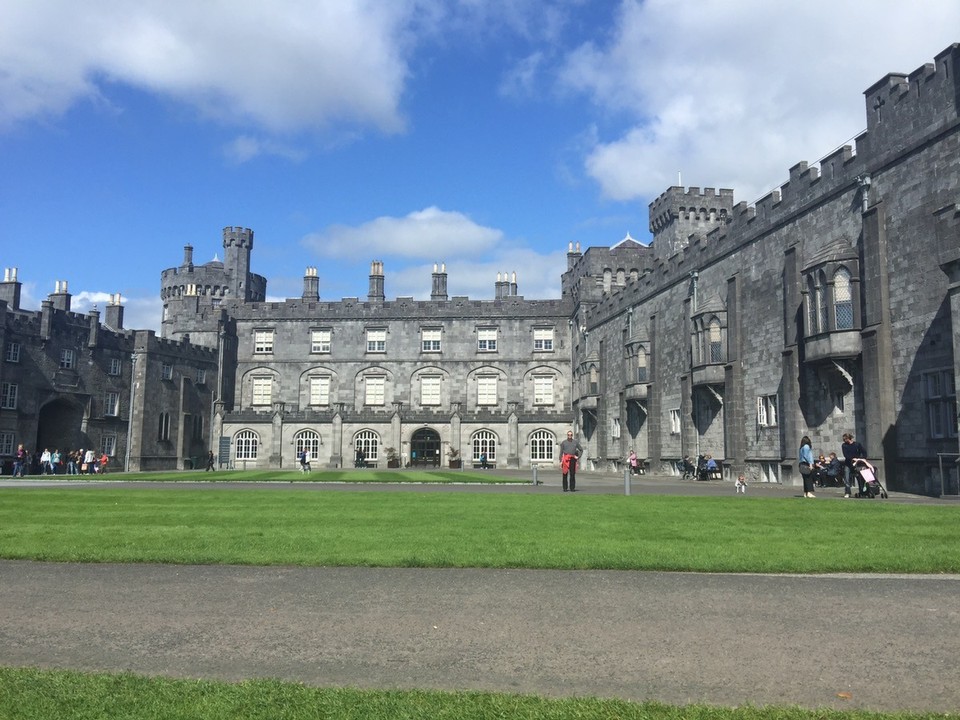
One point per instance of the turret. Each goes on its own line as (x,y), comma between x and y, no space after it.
(679,213)
(237,246)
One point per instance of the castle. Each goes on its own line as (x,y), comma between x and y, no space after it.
(825,308)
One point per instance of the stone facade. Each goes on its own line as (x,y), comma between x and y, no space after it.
(828,307)
(70,381)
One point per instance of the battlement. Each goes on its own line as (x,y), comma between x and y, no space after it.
(238,236)
(908,105)
(691,203)
(147,341)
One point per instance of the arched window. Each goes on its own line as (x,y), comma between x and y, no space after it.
(641,365)
(716,343)
(308,440)
(246,444)
(369,442)
(607,280)
(542,443)
(594,381)
(621,277)
(842,299)
(484,441)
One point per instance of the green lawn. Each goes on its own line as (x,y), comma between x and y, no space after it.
(27,694)
(302,527)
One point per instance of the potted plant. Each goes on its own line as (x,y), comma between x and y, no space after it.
(455,461)
(393,460)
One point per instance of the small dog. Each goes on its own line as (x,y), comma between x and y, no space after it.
(741,484)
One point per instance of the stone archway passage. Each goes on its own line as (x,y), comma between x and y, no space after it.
(425,448)
(59,426)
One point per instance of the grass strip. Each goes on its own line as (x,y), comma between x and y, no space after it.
(294,476)
(300,527)
(30,694)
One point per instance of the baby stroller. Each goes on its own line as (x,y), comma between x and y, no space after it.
(870,485)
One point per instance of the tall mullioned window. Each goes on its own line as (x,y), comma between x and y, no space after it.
(8,395)
(940,394)
(542,444)
(12,353)
(262,387)
(484,442)
(320,390)
(487,390)
(369,442)
(842,299)
(543,390)
(375,388)
(430,389)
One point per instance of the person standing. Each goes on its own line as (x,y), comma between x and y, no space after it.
(632,460)
(88,461)
(852,451)
(805,460)
(18,461)
(570,452)
(210,462)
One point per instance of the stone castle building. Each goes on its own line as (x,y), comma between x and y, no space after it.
(831,306)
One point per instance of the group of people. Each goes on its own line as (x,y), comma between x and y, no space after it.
(54,462)
(825,471)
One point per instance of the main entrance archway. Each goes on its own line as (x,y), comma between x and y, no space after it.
(59,426)
(425,447)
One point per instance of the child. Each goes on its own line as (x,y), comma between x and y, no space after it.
(741,484)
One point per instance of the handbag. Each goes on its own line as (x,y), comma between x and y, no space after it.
(805,468)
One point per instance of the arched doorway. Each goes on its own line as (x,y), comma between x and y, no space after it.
(59,426)
(425,447)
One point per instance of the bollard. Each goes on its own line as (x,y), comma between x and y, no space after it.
(535,481)
(626,481)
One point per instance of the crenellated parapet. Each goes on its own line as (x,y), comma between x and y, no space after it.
(238,237)
(681,212)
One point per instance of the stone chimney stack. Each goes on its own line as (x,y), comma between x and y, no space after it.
(311,285)
(60,297)
(376,282)
(439,291)
(114,318)
(188,257)
(10,288)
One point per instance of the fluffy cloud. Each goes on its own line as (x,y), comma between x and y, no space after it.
(734,93)
(285,66)
(430,233)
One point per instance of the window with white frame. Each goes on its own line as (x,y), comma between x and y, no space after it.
(115,366)
(543,390)
(940,394)
(767,410)
(111,404)
(8,396)
(675,421)
(109,444)
(67,359)
(262,342)
(369,442)
(484,442)
(615,428)
(430,389)
(430,339)
(12,353)
(842,299)
(262,386)
(246,445)
(308,440)
(163,426)
(377,340)
(487,390)
(487,339)
(374,390)
(542,444)
(166,371)
(320,341)
(6,443)
(542,339)
(201,376)
(320,390)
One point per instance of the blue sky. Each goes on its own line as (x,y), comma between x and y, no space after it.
(483,134)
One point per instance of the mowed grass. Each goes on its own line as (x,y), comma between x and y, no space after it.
(27,694)
(351,475)
(401,529)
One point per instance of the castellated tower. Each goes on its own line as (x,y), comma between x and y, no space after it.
(679,213)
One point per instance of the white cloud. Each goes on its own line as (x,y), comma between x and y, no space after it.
(734,93)
(139,313)
(430,233)
(283,66)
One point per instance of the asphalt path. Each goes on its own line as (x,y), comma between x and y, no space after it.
(873,642)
